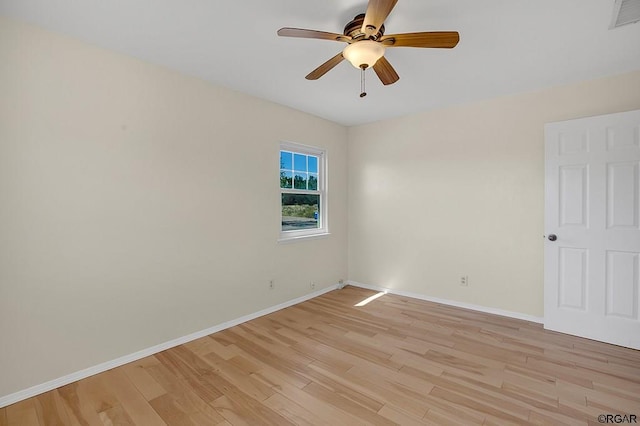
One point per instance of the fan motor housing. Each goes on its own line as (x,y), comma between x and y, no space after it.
(354,29)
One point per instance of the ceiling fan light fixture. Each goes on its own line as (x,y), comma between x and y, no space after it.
(363,54)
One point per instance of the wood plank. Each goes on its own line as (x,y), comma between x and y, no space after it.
(142,380)
(116,416)
(241,379)
(51,410)
(184,408)
(238,408)
(389,412)
(83,402)
(389,391)
(344,403)
(318,407)
(23,413)
(494,410)
(295,413)
(442,413)
(538,418)
(208,345)
(184,400)
(131,400)
(342,387)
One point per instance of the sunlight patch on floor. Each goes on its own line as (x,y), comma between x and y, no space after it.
(370,299)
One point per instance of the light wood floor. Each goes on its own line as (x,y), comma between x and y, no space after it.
(395,360)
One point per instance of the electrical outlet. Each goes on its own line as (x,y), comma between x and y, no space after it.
(312,285)
(272,284)
(464,280)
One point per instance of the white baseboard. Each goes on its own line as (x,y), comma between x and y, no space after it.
(87,372)
(478,308)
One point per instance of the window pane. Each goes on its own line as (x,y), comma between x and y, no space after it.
(286,179)
(286,160)
(300,180)
(300,211)
(313,181)
(313,164)
(300,163)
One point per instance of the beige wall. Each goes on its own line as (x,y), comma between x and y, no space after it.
(459,191)
(138,205)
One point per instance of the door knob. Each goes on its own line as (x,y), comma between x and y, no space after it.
(552,237)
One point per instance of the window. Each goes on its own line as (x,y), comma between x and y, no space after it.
(302,191)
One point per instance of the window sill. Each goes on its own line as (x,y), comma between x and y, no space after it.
(300,238)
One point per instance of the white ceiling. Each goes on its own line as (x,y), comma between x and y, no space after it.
(505,47)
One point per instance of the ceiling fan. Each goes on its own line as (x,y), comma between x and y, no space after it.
(367,42)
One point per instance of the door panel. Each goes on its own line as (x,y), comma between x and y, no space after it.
(574,189)
(621,137)
(622,284)
(622,195)
(592,204)
(573,278)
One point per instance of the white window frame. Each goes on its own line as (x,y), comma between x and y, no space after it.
(323,229)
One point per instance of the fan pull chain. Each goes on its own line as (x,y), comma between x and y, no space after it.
(363,93)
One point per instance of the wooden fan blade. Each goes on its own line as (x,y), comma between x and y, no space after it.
(377,12)
(325,68)
(385,71)
(437,39)
(302,33)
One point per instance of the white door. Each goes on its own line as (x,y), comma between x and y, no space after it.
(592,228)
